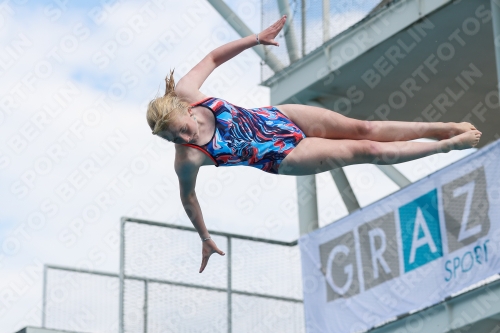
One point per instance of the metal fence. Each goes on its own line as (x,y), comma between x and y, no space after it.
(255,287)
(80,301)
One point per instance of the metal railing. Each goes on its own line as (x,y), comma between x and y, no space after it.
(152,285)
(310,24)
(66,278)
(229,289)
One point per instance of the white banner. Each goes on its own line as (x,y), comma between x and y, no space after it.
(407,251)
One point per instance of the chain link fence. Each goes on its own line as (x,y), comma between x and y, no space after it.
(255,287)
(80,301)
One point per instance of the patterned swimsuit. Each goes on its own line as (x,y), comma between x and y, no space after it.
(260,137)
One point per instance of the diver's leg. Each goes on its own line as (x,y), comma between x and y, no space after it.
(323,123)
(315,155)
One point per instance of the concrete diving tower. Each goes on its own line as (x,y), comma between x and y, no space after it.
(407,60)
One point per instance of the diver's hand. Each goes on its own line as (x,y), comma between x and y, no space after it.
(209,247)
(267,36)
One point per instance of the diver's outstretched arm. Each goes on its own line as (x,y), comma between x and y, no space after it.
(190,84)
(186,166)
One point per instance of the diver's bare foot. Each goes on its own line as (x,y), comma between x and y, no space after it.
(465,140)
(453,129)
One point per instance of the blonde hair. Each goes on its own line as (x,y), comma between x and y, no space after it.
(161,110)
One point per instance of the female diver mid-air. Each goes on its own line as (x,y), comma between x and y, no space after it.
(287,139)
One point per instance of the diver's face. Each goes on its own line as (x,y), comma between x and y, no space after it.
(182,129)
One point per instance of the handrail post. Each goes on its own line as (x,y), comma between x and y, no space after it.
(44,295)
(229,286)
(145,307)
(122,276)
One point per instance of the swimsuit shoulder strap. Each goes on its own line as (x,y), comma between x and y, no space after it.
(200,102)
(203,151)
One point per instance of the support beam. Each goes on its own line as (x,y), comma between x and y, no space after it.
(304,28)
(243,30)
(326,20)
(308,204)
(495,13)
(345,190)
(394,175)
(289,30)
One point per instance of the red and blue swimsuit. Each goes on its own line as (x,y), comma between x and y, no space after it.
(260,137)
